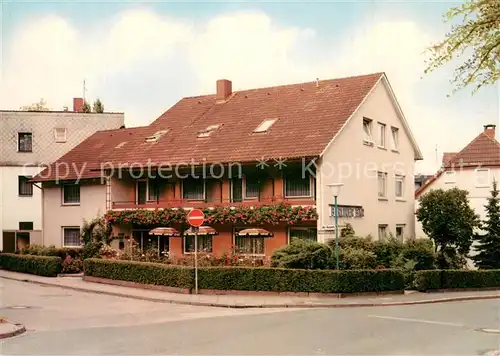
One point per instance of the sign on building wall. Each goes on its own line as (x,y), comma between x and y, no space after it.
(348,211)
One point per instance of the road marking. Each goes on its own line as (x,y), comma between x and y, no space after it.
(417,320)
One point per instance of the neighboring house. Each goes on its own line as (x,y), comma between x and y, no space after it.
(290,142)
(29,142)
(420,180)
(473,169)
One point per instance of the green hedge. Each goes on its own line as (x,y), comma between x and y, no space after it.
(48,266)
(455,279)
(140,272)
(249,279)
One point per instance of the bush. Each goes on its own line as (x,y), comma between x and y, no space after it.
(421,251)
(91,249)
(456,279)
(302,254)
(40,250)
(387,251)
(49,266)
(425,280)
(351,258)
(250,279)
(72,265)
(140,272)
(356,242)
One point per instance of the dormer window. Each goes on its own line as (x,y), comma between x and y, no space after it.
(208,131)
(156,136)
(265,125)
(60,134)
(121,144)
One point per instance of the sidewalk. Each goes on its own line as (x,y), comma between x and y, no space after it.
(242,301)
(9,329)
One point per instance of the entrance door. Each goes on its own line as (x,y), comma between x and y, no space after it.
(142,190)
(23,240)
(9,242)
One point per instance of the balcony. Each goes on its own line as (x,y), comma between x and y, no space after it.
(186,204)
(247,191)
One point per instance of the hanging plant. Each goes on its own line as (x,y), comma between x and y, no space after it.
(266,214)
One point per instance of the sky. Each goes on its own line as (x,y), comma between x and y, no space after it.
(140,58)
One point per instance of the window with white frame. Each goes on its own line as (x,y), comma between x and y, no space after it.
(482,176)
(236,190)
(204,243)
(400,230)
(60,134)
(252,187)
(381,135)
(382,232)
(248,245)
(71,237)
(25,142)
(449,177)
(367,130)
(153,190)
(208,131)
(303,233)
(394,138)
(382,184)
(193,189)
(399,186)
(25,188)
(265,125)
(297,184)
(71,194)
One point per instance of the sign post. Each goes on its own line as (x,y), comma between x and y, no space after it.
(195,218)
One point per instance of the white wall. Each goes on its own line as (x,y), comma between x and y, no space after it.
(56,216)
(464,179)
(349,161)
(15,208)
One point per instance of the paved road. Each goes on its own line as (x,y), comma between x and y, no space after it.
(64,322)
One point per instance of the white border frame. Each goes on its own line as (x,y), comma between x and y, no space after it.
(62,194)
(63,228)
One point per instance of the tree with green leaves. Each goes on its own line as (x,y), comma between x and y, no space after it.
(477,38)
(98,106)
(448,219)
(488,248)
(40,106)
(86,107)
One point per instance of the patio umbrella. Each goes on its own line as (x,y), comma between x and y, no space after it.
(164,231)
(257,232)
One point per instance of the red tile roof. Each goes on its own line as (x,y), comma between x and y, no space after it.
(447,156)
(309,115)
(483,151)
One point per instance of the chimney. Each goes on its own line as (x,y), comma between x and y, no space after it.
(78,104)
(490,130)
(224,89)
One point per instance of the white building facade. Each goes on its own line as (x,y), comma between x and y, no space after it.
(473,169)
(30,140)
(373,159)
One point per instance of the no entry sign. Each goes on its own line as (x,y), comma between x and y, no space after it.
(195,217)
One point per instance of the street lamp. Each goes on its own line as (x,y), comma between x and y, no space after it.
(336,187)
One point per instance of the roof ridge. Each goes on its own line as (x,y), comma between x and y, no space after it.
(289,85)
(461,152)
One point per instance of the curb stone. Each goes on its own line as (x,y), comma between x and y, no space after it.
(20,329)
(247,306)
(309,305)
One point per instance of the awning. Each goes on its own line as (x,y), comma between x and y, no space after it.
(164,231)
(202,230)
(255,232)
